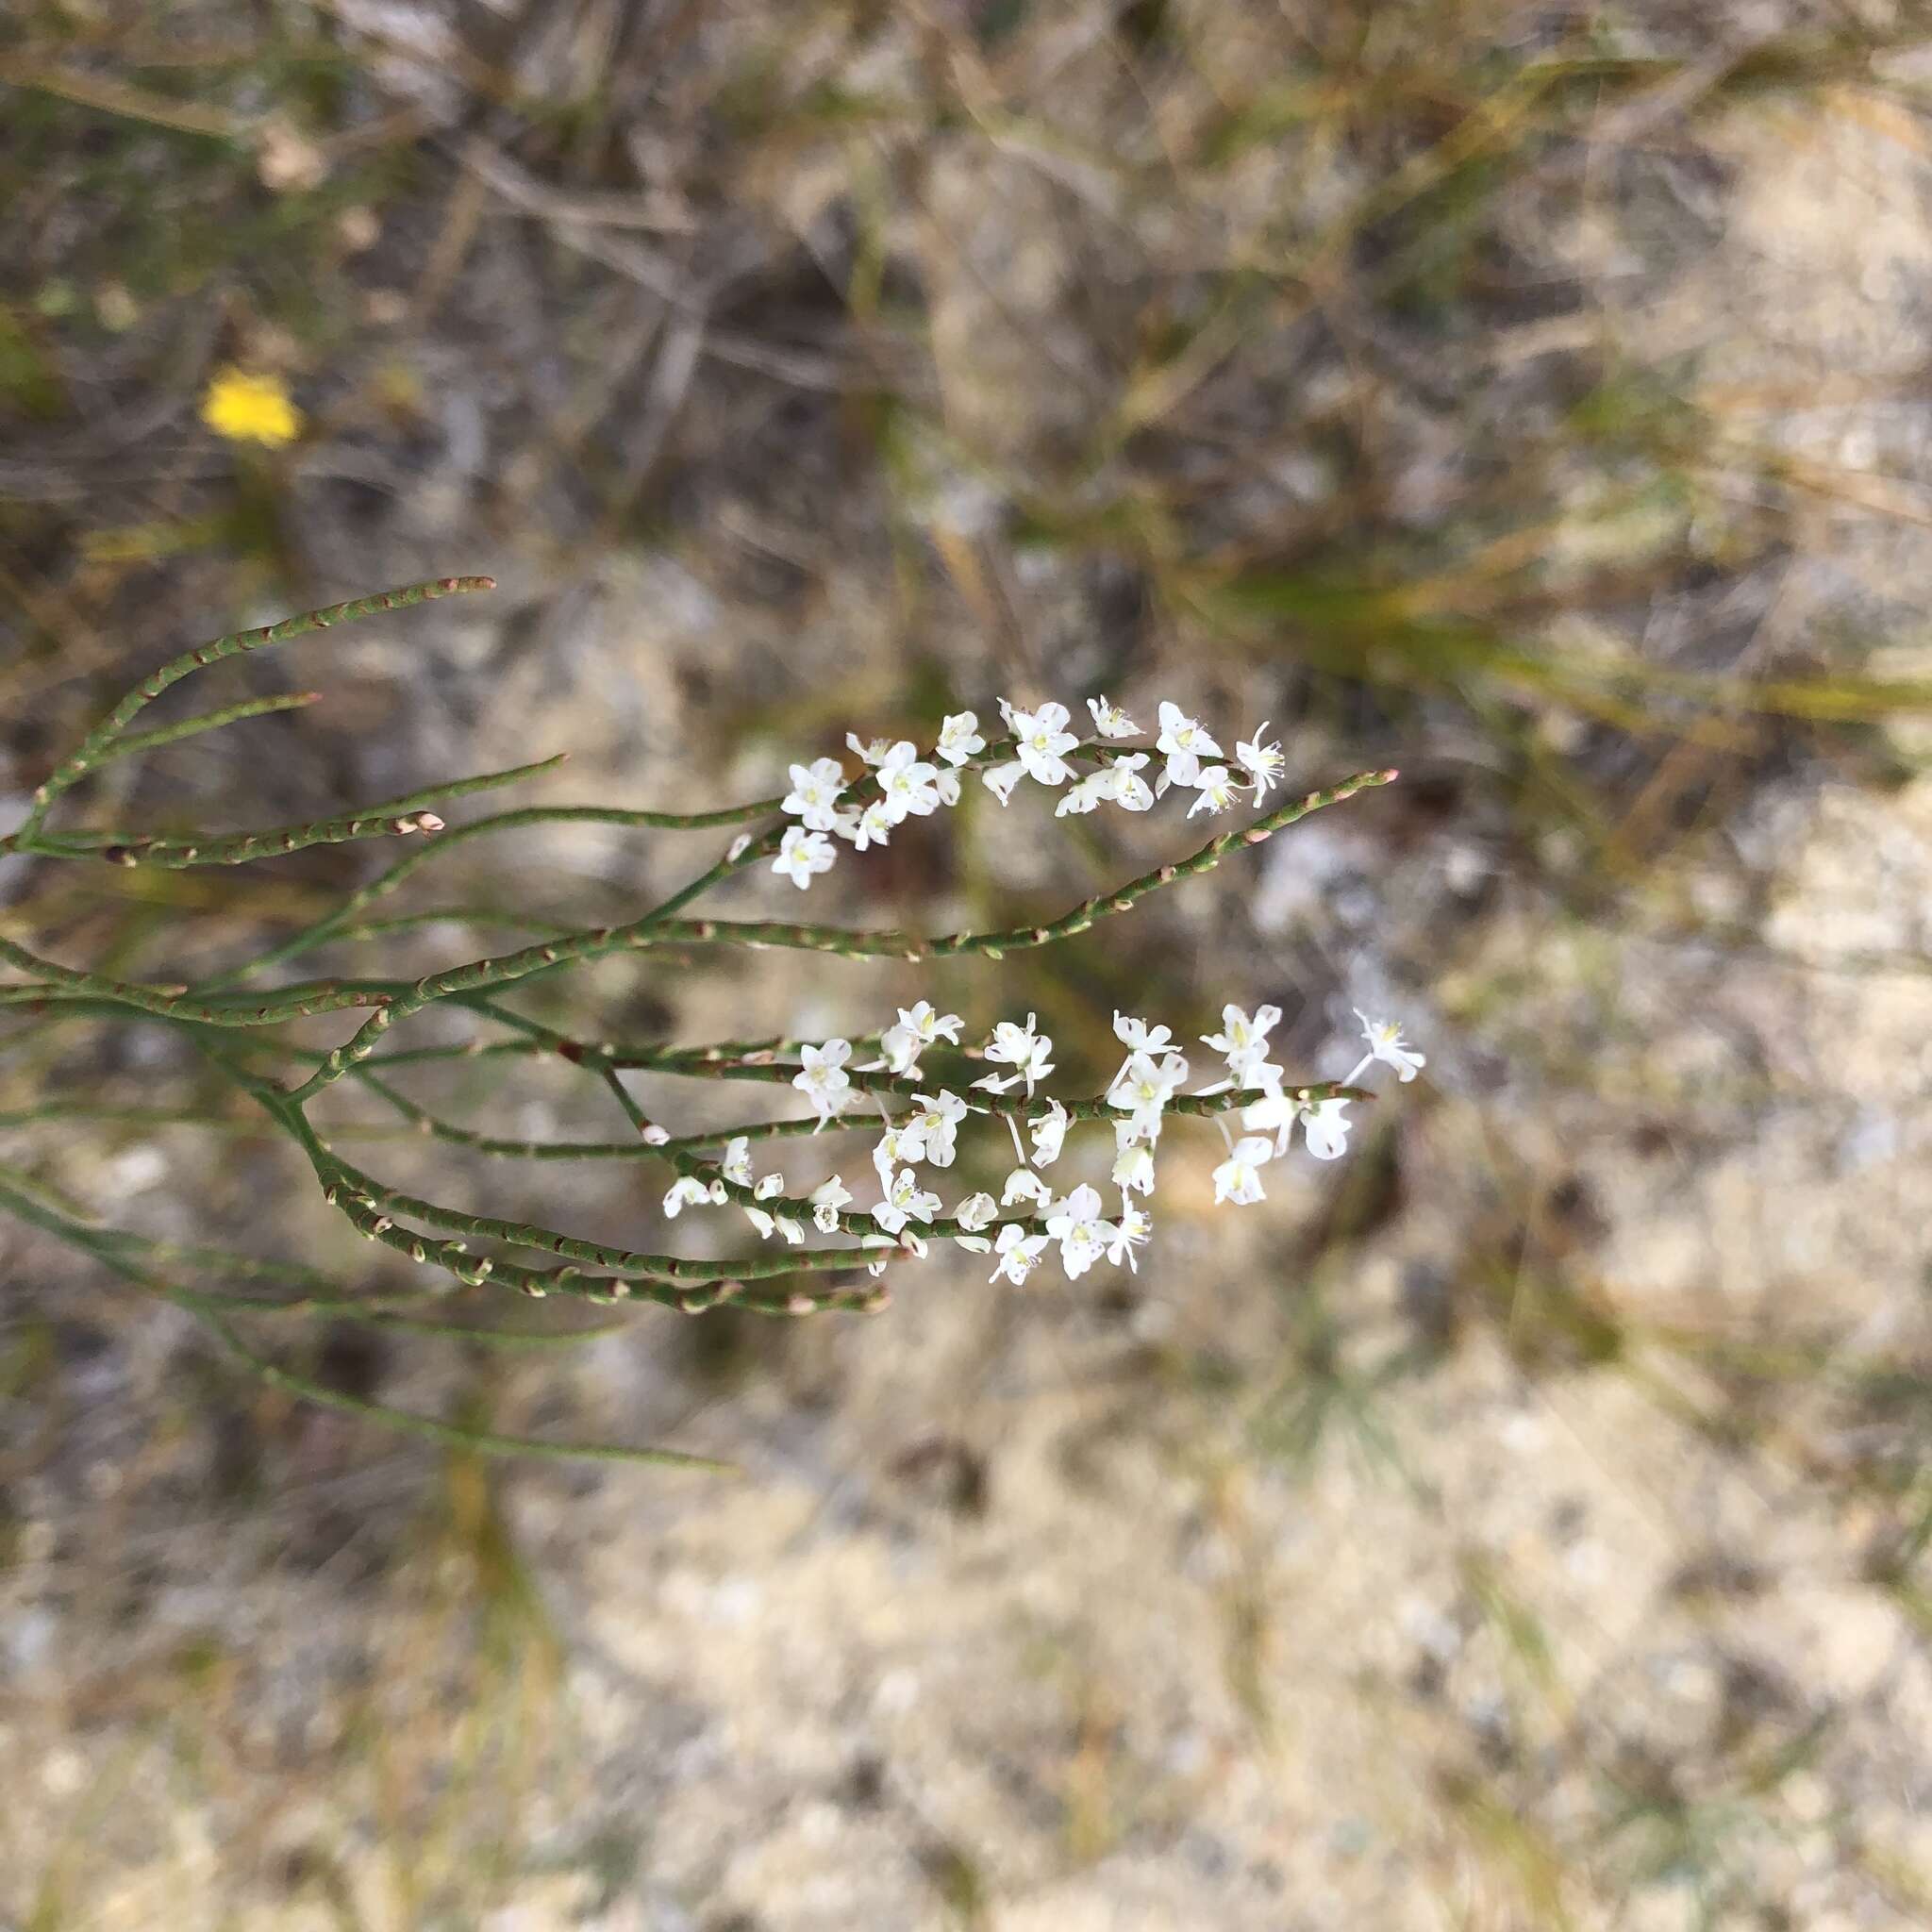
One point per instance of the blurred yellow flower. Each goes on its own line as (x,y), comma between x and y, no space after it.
(250,408)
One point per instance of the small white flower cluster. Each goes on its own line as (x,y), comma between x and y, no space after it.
(1042,742)
(908,787)
(1149,1079)
(912,787)
(1243,1044)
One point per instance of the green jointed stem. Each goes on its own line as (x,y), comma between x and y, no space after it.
(60,983)
(94,746)
(139,742)
(631,1110)
(332,926)
(470,1050)
(697,1062)
(394,818)
(690,1290)
(356,1191)
(374,1208)
(700,1060)
(854,945)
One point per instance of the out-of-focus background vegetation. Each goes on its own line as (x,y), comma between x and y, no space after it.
(1523,1524)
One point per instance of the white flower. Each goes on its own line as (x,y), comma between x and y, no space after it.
(1186,744)
(1215,790)
(931,1024)
(1238,1178)
(947,787)
(917,1202)
(905,1201)
(823,1079)
(1086,795)
(1385,1044)
(827,1198)
(1244,1043)
(1137,1036)
(1040,737)
(938,1124)
(769,1185)
(1261,762)
(1021,1049)
(814,795)
(972,1243)
(871,751)
(1129,1232)
(686,1191)
(897,1145)
(977,1212)
(1111,721)
(738,848)
(906,782)
(1048,1134)
(878,1241)
(801,853)
(1019,1252)
(1140,1036)
(1133,1166)
(735,1165)
(1143,1088)
(873,826)
(793,1230)
(1122,783)
(1022,1184)
(1325,1127)
(1083,1236)
(959,738)
(1000,779)
(1273,1113)
(917,1030)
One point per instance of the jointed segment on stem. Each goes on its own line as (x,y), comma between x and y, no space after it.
(135,743)
(394,817)
(63,983)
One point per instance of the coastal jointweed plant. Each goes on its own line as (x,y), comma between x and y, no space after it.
(889,1207)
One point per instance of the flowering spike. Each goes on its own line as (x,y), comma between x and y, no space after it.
(794,837)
